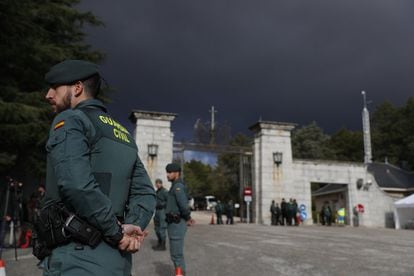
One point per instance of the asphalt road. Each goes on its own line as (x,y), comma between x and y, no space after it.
(243,249)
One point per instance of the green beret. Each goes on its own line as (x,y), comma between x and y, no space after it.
(172,167)
(70,71)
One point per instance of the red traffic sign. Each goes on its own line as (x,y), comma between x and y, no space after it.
(360,208)
(247,191)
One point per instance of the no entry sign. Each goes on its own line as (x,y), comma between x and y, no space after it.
(247,192)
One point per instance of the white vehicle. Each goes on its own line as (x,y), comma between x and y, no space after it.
(211,202)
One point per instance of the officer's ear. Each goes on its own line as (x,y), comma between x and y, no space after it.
(78,88)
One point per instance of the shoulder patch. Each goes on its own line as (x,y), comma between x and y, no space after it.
(59,125)
(178,189)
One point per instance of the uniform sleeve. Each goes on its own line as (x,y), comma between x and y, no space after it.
(164,197)
(182,201)
(68,150)
(142,199)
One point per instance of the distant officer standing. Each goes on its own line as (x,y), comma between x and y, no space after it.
(95,183)
(178,215)
(159,217)
(219,211)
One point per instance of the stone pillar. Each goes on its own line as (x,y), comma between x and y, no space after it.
(271,179)
(154,128)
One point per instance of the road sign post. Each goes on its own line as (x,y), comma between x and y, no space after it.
(247,193)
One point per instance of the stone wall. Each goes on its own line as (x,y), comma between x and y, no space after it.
(377,203)
(293,178)
(272,179)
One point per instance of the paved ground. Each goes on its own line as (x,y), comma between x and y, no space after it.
(242,249)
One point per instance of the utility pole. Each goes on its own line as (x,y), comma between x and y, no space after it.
(367,131)
(213,125)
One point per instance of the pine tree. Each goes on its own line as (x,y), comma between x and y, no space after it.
(34,36)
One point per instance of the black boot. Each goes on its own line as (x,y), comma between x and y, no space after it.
(163,247)
(156,247)
(160,246)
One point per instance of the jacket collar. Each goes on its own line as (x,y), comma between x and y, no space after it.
(91,103)
(179,180)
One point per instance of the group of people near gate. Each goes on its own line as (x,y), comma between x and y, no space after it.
(227,209)
(327,215)
(286,214)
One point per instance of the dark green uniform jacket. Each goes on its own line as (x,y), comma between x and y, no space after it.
(177,204)
(178,200)
(94,169)
(159,217)
(162,196)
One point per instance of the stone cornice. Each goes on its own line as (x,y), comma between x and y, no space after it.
(272,125)
(151,115)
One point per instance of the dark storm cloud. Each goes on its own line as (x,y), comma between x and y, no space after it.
(295,61)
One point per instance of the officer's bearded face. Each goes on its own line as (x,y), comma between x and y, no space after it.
(172,176)
(59,97)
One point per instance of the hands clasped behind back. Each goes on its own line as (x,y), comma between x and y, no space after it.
(132,239)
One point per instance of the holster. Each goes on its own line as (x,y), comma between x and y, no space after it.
(82,231)
(56,226)
(48,229)
(172,218)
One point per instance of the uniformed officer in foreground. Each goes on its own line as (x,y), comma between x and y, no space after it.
(160,223)
(97,189)
(178,216)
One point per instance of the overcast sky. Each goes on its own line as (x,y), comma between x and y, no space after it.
(280,60)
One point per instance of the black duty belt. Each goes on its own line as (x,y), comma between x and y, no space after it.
(172,218)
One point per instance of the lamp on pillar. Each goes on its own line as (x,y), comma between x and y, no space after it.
(277,158)
(152,150)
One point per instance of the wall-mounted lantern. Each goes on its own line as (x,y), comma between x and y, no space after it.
(277,158)
(152,150)
(365,186)
(360,183)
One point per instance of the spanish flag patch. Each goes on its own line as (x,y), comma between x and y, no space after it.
(177,189)
(59,125)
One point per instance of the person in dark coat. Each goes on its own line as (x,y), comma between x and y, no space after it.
(219,212)
(327,214)
(229,212)
(160,224)
(290,212)
(295,212)
(273,213)
(283,206)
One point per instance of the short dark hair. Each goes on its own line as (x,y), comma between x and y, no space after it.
(158,181)
(92,85)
